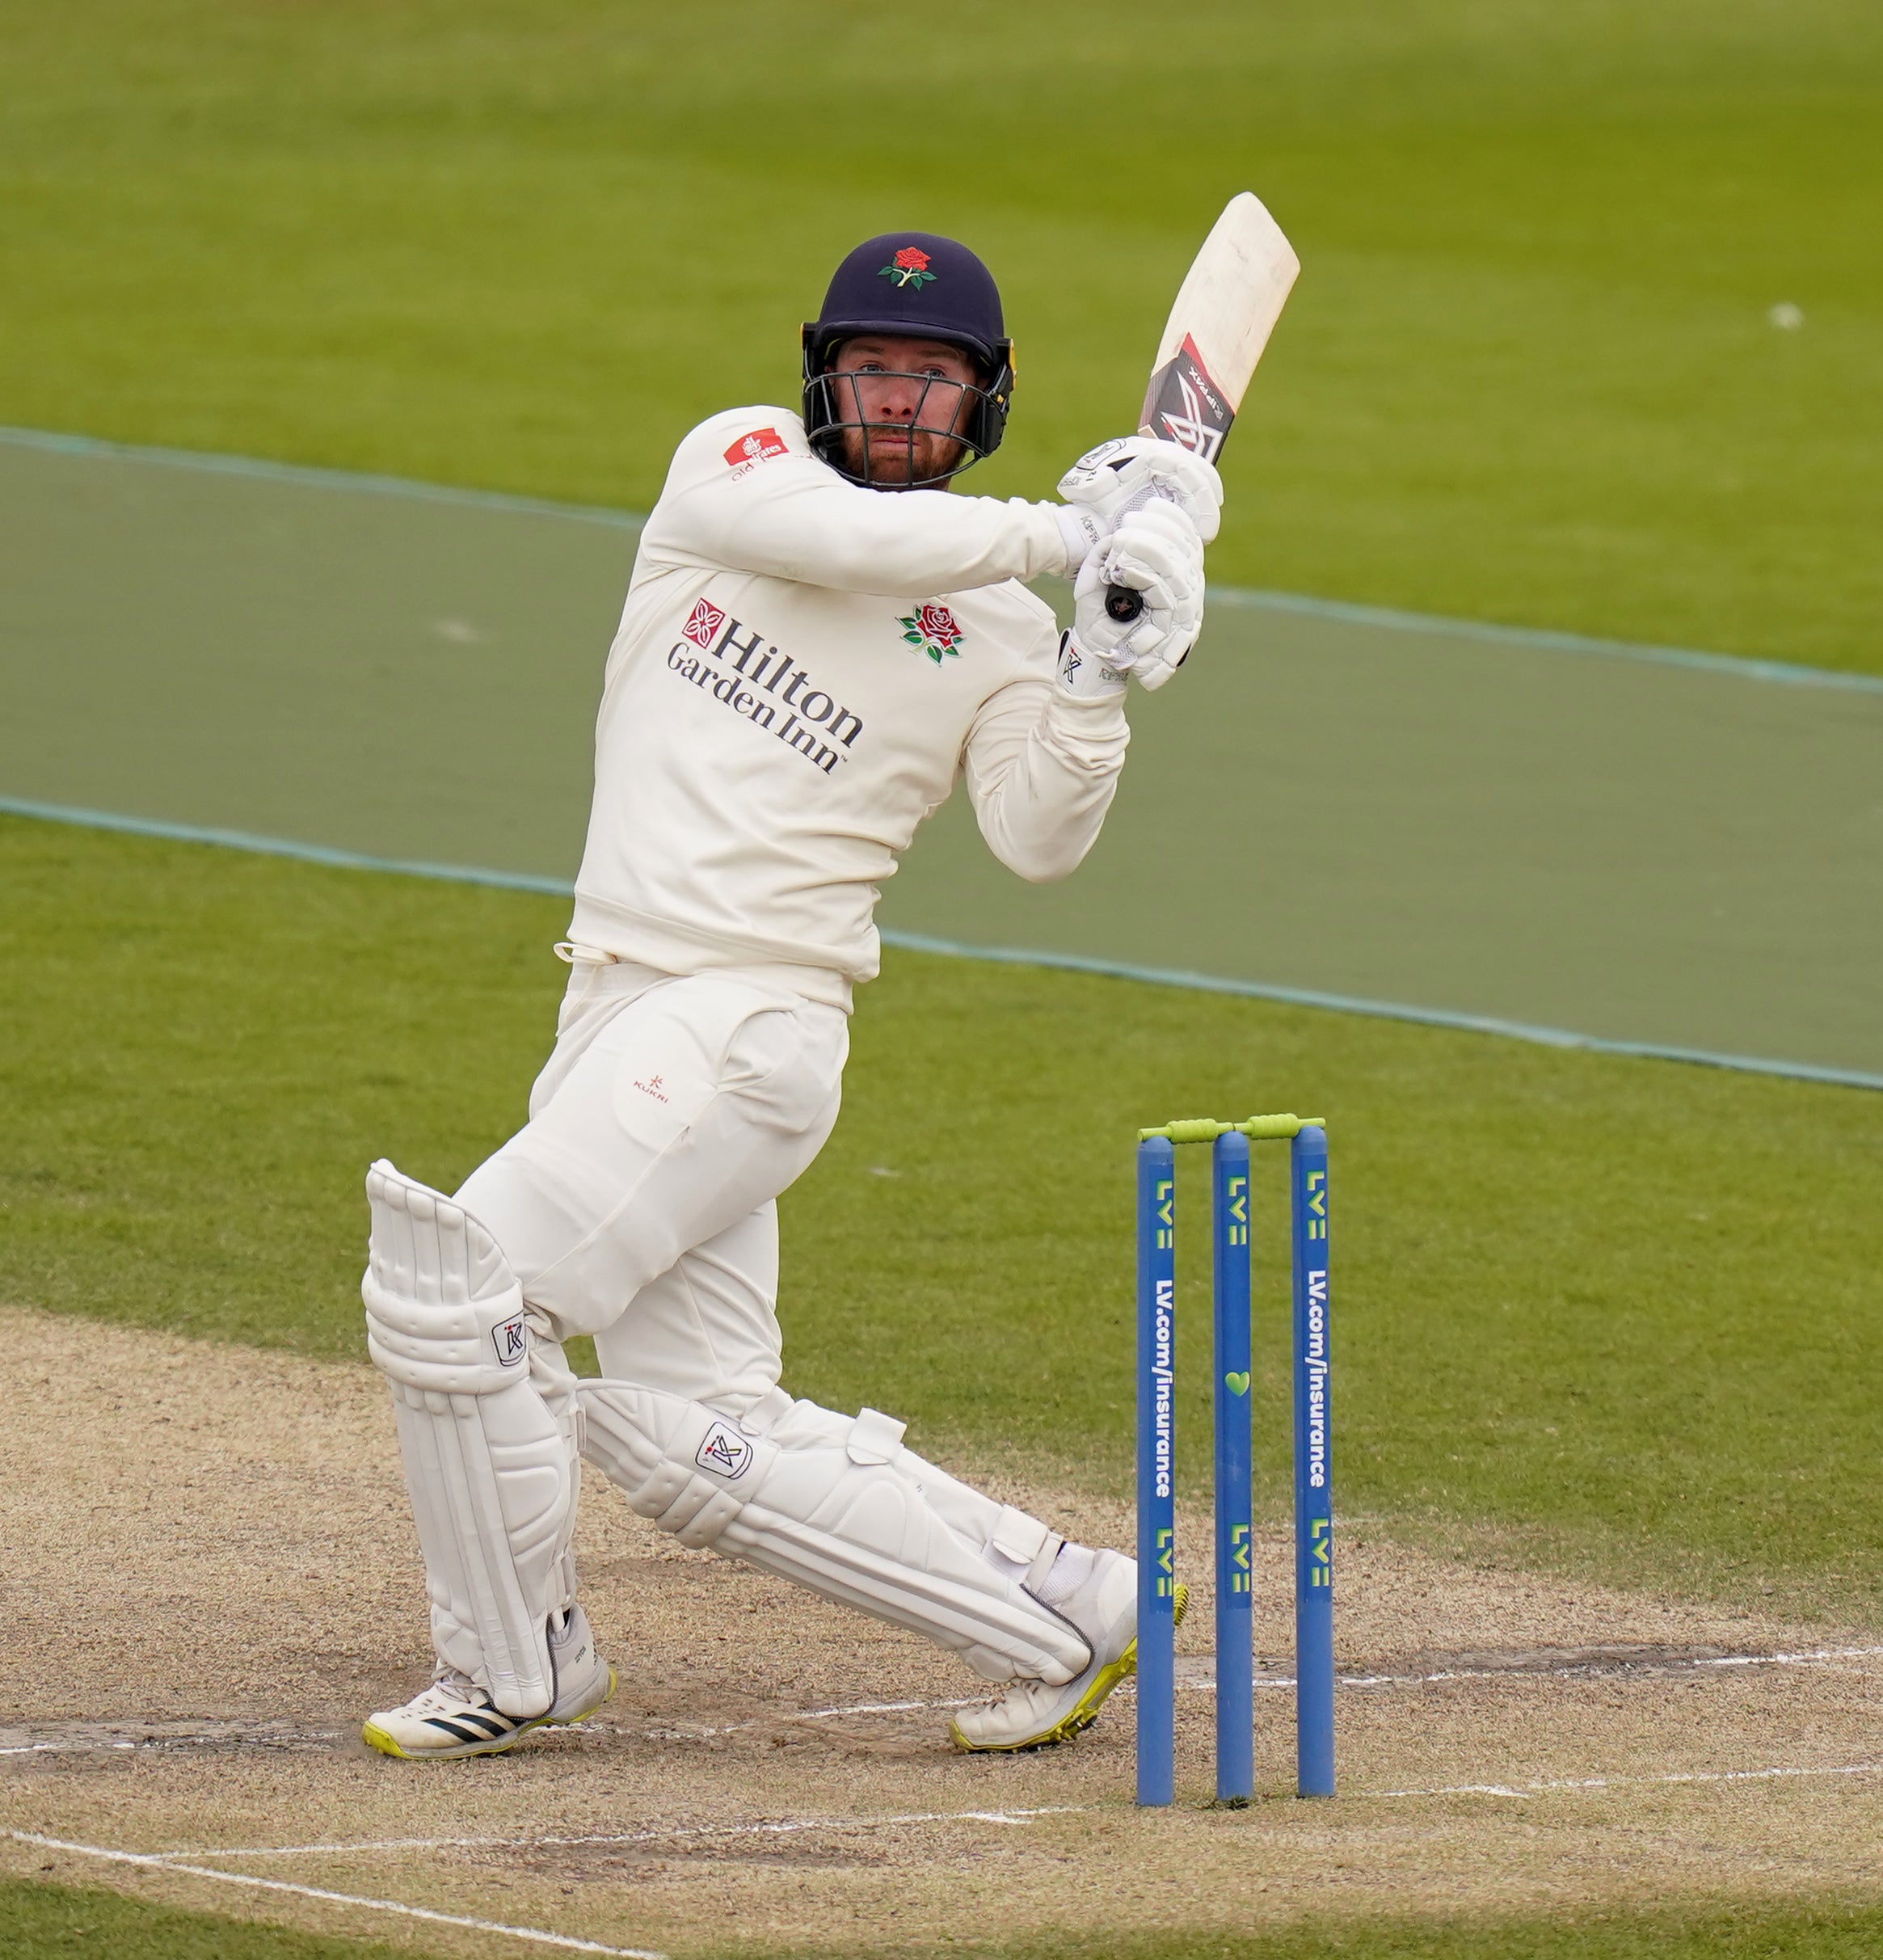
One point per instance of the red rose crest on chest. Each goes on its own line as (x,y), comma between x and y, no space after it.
(931,629)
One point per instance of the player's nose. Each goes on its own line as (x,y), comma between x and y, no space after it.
(897,397)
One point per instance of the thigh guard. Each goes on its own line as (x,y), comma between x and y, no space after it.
(492,1468)
(829,1505)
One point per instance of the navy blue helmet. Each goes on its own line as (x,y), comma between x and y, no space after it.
(916,284)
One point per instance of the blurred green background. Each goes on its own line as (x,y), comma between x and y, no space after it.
(1530,373)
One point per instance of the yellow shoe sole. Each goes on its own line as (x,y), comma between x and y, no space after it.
(1083,1712)
(377,1739)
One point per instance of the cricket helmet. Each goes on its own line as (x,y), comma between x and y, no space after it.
(916,284)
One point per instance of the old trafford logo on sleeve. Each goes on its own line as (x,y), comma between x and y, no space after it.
(931,629)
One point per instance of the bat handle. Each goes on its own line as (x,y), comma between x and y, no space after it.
(1123,603)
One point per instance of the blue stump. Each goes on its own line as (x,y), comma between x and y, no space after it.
(1157,1470)
(1235,1501)
(1313,1471)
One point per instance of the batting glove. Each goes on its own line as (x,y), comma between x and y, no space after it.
(1128,472)
(1155,550)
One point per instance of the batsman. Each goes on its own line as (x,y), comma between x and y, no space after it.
(819,642)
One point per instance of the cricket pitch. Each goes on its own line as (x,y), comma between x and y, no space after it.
(212,1576)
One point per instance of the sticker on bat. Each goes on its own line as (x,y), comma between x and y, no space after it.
(1184,406)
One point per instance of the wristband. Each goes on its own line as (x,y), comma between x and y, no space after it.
(1082,531)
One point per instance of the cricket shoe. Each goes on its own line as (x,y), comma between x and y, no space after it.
(454,1716)
(1031,1715)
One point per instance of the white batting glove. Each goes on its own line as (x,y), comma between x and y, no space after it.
(1155,550)
(1083,531)
(1127,473)
(1083,676)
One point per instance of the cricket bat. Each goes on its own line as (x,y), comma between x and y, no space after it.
(1224,314)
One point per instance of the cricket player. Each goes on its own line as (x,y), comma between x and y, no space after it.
(820,641)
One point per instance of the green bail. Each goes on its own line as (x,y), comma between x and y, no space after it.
(1206,1129)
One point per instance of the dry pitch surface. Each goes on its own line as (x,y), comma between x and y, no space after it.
(210,1575)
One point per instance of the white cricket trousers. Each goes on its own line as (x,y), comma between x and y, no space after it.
(637,1204)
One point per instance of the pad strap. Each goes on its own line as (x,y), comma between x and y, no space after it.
(830,1509)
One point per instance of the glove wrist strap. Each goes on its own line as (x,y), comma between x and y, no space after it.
(1085,676)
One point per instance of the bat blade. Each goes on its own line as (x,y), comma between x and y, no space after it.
(1219,322)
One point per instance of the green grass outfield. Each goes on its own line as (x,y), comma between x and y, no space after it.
(1592,1312)
(1529,374)
(40,1921)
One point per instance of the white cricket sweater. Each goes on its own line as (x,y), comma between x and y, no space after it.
(802,668)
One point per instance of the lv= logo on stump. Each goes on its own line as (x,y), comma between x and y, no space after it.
(1161,1598)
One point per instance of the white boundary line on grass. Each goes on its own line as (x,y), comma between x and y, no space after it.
(167,1861)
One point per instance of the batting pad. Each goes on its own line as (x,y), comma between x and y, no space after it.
(492,1470)
(830,1508)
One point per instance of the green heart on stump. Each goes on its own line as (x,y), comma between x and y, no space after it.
(1238,1384)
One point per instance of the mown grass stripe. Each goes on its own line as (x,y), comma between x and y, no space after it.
(1000,955)
(1389,619)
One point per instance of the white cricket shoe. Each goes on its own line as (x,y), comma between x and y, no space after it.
(454,1716)
(1030,1714)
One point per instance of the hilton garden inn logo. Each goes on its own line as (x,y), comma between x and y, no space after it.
(722,658)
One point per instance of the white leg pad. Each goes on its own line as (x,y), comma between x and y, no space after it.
(825,1501)
(492,1466)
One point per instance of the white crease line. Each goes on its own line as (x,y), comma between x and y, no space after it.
(177,1743)
(167,1861)
(171,1861)
(1609,1663)
(1601,1663)
(1583,1783)
(782,1826)
(1791,1660)
(881,1707)
(698,1732)
(1612,1664)
(61,1748)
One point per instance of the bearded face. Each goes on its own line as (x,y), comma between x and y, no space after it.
(900,405)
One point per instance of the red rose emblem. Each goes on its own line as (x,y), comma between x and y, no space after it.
(937,623)
(908,268)
(705,624)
